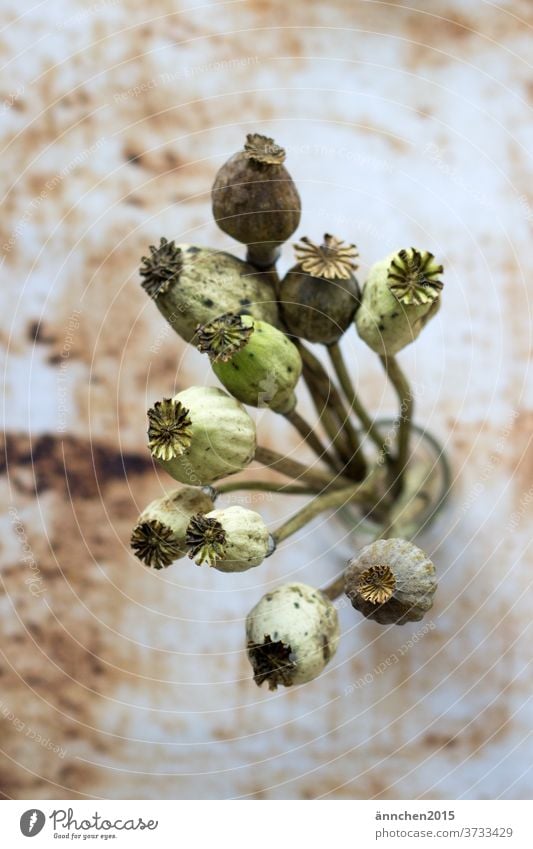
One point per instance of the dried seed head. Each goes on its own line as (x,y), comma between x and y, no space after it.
(223,337)
(412,277)
(291,635)
(271,661)
(206,540)
(255,200)
(320,295)
(264,150)
(155,544)
(209,283)
(161,267)
(158,538)
(332,260)
(235,538)
(201,435)
(391,581)
(169,429)
(376,584)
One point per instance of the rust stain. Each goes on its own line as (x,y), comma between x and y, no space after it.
(70,463)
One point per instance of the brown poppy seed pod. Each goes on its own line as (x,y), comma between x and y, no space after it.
(255,200)
(320,295)
(391,581)
(192,286)
(158,538)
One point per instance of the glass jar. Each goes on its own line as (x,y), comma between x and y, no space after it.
(427,481)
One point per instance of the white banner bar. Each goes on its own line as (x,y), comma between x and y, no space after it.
(264,825)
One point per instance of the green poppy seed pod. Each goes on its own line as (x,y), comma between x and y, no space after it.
(320,295)
(400,296)
(191,286)
(158,538)
(391,581)
(255,200)
(291,634)
(201,435)
(232,539)
(255,361)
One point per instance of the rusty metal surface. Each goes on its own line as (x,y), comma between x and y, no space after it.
(403,125)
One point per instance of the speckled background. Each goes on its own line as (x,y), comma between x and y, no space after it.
(404,124)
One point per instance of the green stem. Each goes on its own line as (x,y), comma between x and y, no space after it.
(326,501)
(263,256)
(348,388)
(307,432)
(292,469)
(335,589)
(315,373)
(405,397)
(264,486)
(327,417)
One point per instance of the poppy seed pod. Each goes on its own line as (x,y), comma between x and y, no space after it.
(391,581)
(320,295)
(400,296)
(201,435)
(291,634)
(255,361)
(232,539)
(191,286)
(158,538)
(255,200)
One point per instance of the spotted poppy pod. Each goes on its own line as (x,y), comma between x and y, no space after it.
(191,286)
(291,635)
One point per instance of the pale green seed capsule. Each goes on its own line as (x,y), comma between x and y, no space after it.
(192,286)
(292,633)
(232,539)
(255,361)
(201,435)
(158,538)
(400,296)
